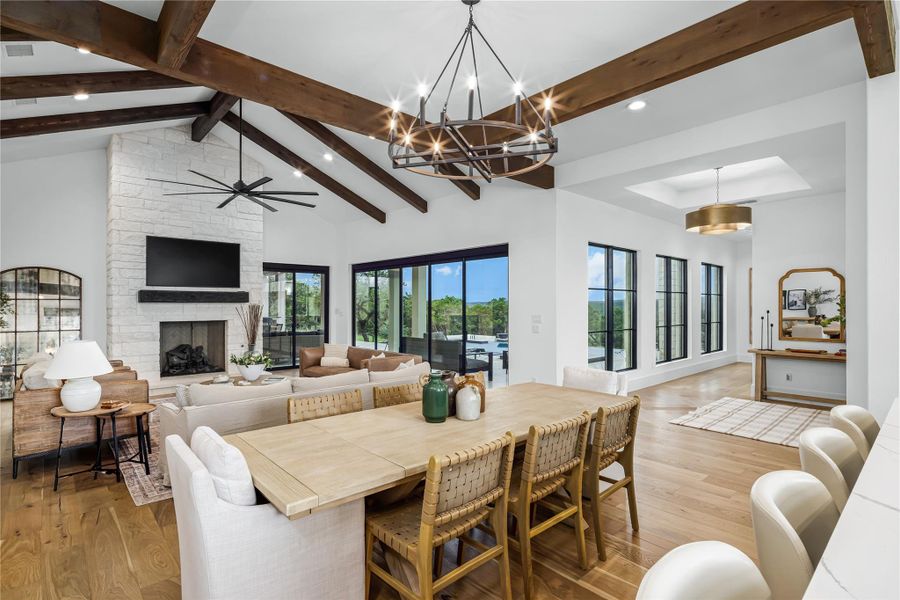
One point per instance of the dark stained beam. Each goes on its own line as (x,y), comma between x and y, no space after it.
(277,150)
(875,27)
(49,86)
(359,160)
(218,108)
(12,128)
(11,35)
(179,25)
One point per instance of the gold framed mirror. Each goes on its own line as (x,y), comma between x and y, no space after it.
(811,306)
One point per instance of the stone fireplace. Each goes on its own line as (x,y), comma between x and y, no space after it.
(191,347)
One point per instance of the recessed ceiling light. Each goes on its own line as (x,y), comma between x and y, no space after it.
(298,173)
(81,96)
(83,51)
(637,105)
(371,137)
(328,156)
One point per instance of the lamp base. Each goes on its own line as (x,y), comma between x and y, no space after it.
(80,394)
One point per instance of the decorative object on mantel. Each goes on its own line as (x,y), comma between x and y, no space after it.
(719,218)
(252,365)
(77,362)
(251,316)
(435,398)
(483,145)
(239,188)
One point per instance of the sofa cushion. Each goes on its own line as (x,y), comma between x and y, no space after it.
(204,395)
(33,377)
(351,377)
(226,466)
(318,371)
(357,355)
(332,361)
(389,363)
(336,350)
(407,373)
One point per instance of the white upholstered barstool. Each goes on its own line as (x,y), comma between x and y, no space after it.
(832,457)
(708,570)
(793,518)
(858,423)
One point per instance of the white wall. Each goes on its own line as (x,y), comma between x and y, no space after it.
(53,214)
(742,301)
(581,220)
(796,234)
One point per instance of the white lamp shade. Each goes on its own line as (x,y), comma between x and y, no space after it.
(82,358)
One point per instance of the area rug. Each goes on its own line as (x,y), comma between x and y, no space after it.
(144,489)
(764,421)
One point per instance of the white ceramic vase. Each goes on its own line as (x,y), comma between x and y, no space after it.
(468,404)
(251,372)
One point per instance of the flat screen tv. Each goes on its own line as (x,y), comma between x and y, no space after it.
(175,262)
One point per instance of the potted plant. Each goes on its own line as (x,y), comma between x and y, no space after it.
(252,364)
(250,316)
(816,297)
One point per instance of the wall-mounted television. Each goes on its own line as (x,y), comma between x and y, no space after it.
(175,262)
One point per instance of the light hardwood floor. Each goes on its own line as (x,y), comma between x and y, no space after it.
(90,541)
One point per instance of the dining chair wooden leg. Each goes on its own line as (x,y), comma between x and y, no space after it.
(426,582)
(460,547)
(580,543)
(498,522)
(370,543)
(598,531)
(524,527)
(438,561)
(627,461)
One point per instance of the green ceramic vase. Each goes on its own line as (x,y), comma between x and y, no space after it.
(435,399)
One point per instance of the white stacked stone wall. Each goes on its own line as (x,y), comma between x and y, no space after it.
(137,208)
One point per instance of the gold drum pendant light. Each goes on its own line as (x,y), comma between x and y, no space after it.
(717,219)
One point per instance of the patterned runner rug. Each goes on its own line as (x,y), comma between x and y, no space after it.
(144,489)
(764,421)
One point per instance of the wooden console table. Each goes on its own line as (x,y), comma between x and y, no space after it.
(760,389)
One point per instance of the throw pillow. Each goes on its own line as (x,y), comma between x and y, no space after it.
(204,395)
(405,365)
(379,356)
(410,374)
(336,350)
(226,465)
(37,357)
(308,384)
(182,395)
(332,361)
(33,377)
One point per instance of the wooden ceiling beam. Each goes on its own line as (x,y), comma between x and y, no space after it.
(732,34)
(179,25)
(218,108)
(875,27)
(358,159)
(279,151)
(50,86)
(11,35)
(13,128)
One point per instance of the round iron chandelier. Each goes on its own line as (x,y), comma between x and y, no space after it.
(481,148)
(716,219)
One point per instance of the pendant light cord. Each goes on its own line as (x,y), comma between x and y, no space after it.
(240,139)
(717,184)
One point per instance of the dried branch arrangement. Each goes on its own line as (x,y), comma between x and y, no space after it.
(250,315)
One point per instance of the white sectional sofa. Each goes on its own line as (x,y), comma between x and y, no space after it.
(228,409)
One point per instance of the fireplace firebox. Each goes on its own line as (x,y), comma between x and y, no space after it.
(191,347)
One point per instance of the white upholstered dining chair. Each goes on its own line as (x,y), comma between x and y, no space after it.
(595,380)
(808,330)
(708,570)
(793,518)
(858,423)
(831,456)
(233,551)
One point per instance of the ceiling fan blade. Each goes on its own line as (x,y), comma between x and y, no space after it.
(297,202)
(227,200)
(293,193)
(199,193)
(208,187)
(210,178)
(257,183)
(260,202)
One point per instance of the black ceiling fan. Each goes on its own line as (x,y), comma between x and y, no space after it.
(245,190)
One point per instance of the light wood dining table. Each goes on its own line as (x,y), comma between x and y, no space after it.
(314,465)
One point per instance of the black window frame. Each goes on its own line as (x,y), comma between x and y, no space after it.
(669,293)
(609,332)
(707,298)
(293,269)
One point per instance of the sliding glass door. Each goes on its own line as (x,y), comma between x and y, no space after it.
(451,309)
(295,311)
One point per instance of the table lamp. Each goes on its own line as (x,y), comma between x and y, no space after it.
(77,362)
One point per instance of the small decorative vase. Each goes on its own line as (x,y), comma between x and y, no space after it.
(472,380)
(468,403)
(435,399)
(450,380)
(251,348)
(251,372)
(811,311)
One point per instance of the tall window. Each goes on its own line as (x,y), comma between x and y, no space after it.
(295,311)
(450,308)
(710,308)
(612,308)
(46,311)
(671,309)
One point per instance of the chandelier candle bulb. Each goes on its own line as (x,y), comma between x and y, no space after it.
(518,108)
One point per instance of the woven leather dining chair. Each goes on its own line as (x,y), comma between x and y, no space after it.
(324,405)
(554,461)
(397,394)
(613,442)
(462,490)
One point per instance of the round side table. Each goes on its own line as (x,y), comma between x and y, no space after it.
(99,415)
(139,410)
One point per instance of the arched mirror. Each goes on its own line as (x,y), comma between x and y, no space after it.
(812,305)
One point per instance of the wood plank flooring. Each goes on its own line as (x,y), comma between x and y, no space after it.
(90,541)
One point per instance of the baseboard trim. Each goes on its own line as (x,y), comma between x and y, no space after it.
(680,371)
